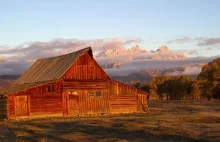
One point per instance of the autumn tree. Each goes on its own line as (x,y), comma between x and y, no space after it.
(136,84)
(196,93)
(209,80)
(176,87)
(155,82)
(145,87)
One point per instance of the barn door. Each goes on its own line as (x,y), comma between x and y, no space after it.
(21,105)
(73,103)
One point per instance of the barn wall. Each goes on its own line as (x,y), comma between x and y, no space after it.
(125,99)
(123,103)
(117,88)
(93,105)
(67,85)
(86,104)
(3,107)
(41,102)
(45,103)
(11,106)
(85,68)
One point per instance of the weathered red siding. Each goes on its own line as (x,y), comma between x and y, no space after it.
(11,106)
(45,104)
(117,88)
(85,68)
(68,85)
(40,102)
(85,104)
(123,103)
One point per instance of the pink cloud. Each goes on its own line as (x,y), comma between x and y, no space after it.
(209,41)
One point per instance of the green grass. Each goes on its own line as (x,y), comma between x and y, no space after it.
(167,121)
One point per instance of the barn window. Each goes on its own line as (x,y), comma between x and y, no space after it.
(51,88)
(94,93)
(98,94)
(91,94)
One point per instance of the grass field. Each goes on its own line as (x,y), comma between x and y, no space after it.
(167,121)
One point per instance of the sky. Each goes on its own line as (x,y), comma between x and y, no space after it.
(188,26)
(153,21)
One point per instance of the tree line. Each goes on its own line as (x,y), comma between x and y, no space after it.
(207,84)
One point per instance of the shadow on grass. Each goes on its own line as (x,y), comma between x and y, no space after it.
(58,131)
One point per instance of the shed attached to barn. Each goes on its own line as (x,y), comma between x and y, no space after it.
(68,85)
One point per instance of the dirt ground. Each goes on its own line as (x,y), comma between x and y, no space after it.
(167,121)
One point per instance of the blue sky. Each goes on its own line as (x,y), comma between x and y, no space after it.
(155,22)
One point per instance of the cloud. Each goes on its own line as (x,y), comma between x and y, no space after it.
(151,64)
(183,39)
(132,40)
(36,50)
(209,41)
(187,71)
(192,52)
(200,41)
(14,67)
(20,57)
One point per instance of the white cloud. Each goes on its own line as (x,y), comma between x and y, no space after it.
(19,58)
(145,64)
(187,71)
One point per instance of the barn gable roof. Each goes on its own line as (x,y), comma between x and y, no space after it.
(18,87)
(50,69)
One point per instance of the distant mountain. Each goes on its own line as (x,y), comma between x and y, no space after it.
(137,63)
(11,77)
(120,51)
(6,80)
(122,55)
(145,75)
(163,48)
(111,65)
(138,52)
(136,49)
(138,76)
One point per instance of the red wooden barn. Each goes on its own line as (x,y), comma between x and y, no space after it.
(68,85)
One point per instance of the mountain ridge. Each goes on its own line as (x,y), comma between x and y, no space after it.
(139,50)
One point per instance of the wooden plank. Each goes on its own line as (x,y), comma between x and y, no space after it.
(3,108)
(80,69)
(50,103)
(122,103)
(15,106)
(28,104)
(21,105)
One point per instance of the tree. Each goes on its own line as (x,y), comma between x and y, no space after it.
(145,87)
(164,88)
(176,87)
(136,84)
(196,91)
(155,82)
(209,80)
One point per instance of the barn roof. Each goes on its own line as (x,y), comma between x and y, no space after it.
(17,87)
(44,71)
(50,69)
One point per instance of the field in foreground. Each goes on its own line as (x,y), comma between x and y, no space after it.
(167,121)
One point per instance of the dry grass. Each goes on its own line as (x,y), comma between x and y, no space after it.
(167,121)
